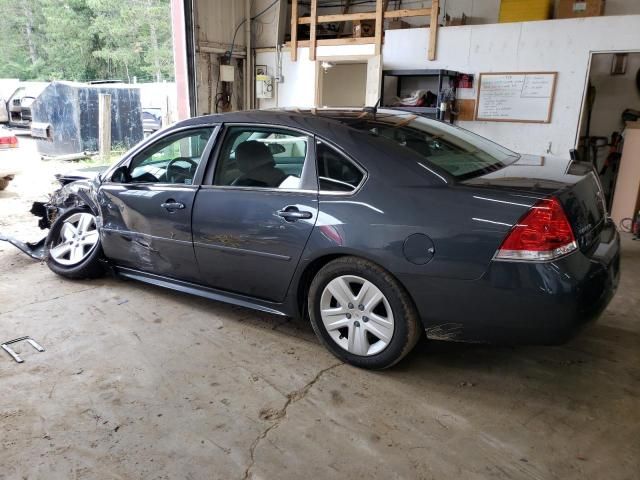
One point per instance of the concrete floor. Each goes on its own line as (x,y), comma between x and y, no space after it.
(140,382)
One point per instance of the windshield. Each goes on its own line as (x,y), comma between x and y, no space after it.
(457,151)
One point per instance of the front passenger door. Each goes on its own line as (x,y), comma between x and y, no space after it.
(146,205)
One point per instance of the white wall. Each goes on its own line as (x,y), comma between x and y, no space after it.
(558,45)
(298,86)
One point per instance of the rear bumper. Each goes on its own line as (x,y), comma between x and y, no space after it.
(520,302)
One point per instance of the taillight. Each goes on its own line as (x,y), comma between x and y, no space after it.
(9,141)
(544,233)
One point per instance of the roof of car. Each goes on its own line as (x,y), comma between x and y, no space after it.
(314,119)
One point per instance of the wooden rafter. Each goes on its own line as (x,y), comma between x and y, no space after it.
(433,29)
(314,26)
(338,17)
(379,25)
(294,30)
(379,15)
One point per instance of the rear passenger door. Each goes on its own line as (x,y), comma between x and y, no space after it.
(254,213)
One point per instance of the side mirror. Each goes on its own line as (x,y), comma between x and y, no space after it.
(121,175)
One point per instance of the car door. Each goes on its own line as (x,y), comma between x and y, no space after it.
(146,204)
(254,213)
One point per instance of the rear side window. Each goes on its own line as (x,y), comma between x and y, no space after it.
(459,152)
(336,173)
(262,157)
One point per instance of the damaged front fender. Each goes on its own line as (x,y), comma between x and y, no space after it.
(75,194)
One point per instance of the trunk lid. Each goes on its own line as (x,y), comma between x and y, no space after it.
(574,184)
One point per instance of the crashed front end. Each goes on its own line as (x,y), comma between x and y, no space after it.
(71,195)
(74,193)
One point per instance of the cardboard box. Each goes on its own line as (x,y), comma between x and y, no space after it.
(580,8)
(525,10)
(364,28)
(455,21)
(395,24)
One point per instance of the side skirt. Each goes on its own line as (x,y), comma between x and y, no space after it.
(202,291)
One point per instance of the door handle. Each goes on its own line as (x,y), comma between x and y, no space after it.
(291,214)
(172,205)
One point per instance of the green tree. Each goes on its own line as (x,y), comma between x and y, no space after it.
(21,37)
(86,39)
(135,36)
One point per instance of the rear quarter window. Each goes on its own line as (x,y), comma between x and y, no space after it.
(336,172)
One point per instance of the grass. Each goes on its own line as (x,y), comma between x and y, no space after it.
(97,160)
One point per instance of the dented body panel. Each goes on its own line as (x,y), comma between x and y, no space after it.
(137,233)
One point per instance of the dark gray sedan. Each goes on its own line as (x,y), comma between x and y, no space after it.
(377,226)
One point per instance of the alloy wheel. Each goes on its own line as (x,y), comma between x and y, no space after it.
(77,239)
(357,315)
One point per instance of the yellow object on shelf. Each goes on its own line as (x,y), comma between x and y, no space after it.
(525,10)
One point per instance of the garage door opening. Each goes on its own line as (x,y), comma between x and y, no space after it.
(610,129)
(342,84)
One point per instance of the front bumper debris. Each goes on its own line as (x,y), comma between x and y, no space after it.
(47,213)
(34,250)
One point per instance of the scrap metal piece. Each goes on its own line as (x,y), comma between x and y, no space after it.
(34,250)
(28,339)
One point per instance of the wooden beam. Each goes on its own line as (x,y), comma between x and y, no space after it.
(339,17)
(314,25)
(347,17)
(345,9)
(433,29)
(104,125)
(335,42)
(379,25)
(294,30)
(406,12)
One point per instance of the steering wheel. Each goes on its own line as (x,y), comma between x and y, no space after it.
(193,165)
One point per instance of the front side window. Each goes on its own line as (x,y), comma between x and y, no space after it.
(336,173)
(262,157)
(172,159)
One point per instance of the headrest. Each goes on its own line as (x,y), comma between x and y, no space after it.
(251,155)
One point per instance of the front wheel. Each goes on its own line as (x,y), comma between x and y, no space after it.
(73,245)
(362,314)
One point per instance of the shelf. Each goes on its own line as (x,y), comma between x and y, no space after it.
(419,73)
(429,110)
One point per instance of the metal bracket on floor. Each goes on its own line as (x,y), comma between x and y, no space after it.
(31,341)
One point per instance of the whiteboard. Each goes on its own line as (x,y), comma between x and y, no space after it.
(516,97)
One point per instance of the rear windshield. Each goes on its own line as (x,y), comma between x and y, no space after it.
(457,151)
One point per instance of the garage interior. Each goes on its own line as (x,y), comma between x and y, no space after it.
(136,381)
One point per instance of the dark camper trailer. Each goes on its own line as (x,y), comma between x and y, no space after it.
(65,117)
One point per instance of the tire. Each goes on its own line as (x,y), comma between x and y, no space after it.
(87,255)
(374,334)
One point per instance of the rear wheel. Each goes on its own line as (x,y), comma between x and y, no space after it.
(74,245)
(362,314)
